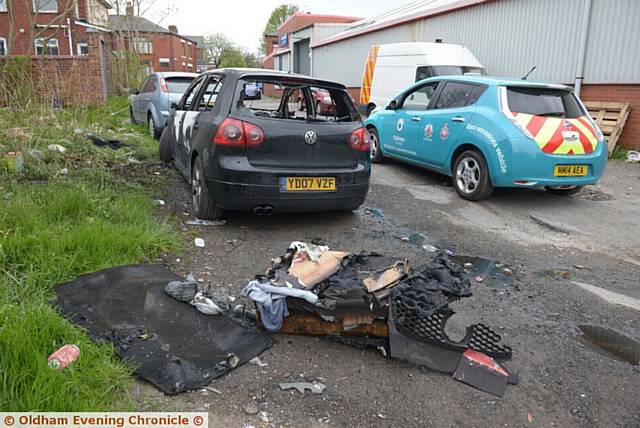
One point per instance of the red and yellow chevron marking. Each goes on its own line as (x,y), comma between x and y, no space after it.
(547,131)
(367,79)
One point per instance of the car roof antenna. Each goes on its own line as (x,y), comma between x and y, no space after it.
(530,71)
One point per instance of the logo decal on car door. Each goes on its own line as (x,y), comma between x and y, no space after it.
(444,132)
(400,125)
(428,131)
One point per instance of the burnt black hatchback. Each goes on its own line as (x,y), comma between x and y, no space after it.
(276,153)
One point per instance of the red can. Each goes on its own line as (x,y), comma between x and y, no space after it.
(64,356)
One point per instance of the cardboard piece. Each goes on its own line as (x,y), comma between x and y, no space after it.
(387,278)
(310,273)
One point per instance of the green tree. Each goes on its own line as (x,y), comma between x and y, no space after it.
(252,60)
(278,16)
(232,57)
(215,45)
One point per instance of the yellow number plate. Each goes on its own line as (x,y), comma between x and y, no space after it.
(570,170)
(308,184)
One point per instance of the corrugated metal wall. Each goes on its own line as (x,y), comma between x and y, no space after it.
(344,61)
(511,36)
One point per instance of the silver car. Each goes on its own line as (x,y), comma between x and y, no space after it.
(151,103)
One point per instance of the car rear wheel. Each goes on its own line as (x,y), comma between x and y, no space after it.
(165,147)
(374,139)
(564,190)
(203,206)
(471,176)
(153,130)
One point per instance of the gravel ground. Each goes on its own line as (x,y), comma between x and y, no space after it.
(549,241)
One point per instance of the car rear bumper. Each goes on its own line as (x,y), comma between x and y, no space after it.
(234,184)
(529,167)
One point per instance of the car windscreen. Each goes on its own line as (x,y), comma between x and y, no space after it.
(177,85)
(445,70)
(294,99)
(543,102)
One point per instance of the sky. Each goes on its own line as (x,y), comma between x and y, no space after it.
(243,20)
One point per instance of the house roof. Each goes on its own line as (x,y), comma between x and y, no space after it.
(304,19)
(414,11)
(134,23)
(198,39)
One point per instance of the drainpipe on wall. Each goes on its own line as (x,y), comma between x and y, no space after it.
(69,36)
(582,50)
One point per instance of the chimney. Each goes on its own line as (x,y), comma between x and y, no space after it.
(173,29)
(129,9)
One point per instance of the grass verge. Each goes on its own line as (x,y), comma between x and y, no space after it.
(67,214)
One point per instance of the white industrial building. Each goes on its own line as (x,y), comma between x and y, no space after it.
(567,40)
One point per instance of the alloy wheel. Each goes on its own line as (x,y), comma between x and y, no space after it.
(196,187)
(468,175)
(374,144)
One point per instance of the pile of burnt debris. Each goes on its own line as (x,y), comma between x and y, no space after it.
(362,300)
(368,299)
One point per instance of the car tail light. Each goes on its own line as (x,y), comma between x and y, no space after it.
(163,85)
(359,140)
(237,133)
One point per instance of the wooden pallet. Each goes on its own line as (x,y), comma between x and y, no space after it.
(611,118)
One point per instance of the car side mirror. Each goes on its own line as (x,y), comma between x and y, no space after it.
(174,105)
(393,105)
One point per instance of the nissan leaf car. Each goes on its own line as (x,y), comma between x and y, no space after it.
(265,155)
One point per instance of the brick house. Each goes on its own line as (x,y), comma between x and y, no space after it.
(159,49)
(64,39)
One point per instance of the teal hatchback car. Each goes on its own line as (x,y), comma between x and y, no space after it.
(489,132)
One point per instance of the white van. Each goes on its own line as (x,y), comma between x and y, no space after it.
(393,67)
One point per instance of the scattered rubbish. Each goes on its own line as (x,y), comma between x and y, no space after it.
(132,161)
(483,372)
(492,272)
(301,387)
(159,202)
(184,291)
(615,344)
(14,162)
(251,409)
(579,267)
(199,242)
(189,291)
(214,390)
(381,416)
(449,252)
(256,361)
(56,148)
(113,144)
(206,305)
(479,278)
(64,356)
(313,252)
(190,350)
(198,222)
(429,248)
(415,239)
(36,154)
(633,156)
(529,417)
(264,417)
(375,212)
(63,171)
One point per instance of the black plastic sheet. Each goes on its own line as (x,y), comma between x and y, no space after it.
(170,343)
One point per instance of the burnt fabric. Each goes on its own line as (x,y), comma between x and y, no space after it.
(171,344)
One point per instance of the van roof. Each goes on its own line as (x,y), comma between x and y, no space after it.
(433,53)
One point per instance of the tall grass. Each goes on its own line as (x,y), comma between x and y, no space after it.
(54,228)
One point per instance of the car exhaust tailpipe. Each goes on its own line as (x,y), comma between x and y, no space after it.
(259,210)
(268,210)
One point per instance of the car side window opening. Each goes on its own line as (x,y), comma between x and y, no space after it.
(210,94)
(178,85)
(543,102)
(144,85)
(294,100)
(191,93)
(419,98)
(458,94)
(152,84)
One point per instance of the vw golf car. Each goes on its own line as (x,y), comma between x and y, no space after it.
(266,155)
(492,132)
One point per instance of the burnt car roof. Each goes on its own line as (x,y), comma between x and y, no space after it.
(261,72)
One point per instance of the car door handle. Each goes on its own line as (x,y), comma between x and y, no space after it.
(415,119)
(458,119)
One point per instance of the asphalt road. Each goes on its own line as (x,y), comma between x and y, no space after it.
(550,241)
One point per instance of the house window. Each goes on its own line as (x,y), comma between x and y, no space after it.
(46,6)
(83,49)
(142,45)
(3,5)
(47,47)
(3,46)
